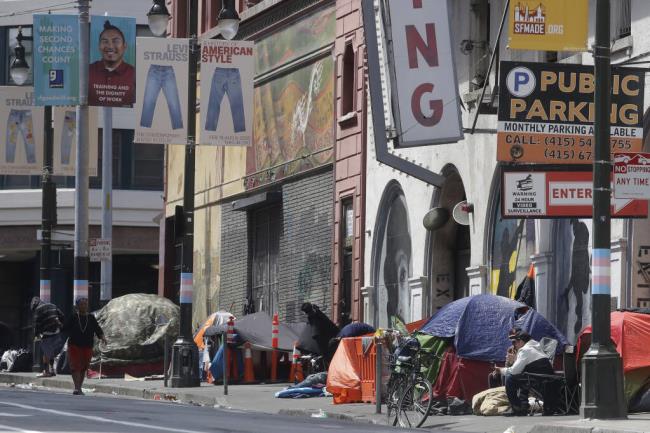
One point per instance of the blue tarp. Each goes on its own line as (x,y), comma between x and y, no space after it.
(216,366)
(480,324)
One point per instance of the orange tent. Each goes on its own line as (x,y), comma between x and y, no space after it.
(344,375)
(631,334)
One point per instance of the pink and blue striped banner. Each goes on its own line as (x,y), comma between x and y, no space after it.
(187,287)
(45,291)
(80,289)
(601,271)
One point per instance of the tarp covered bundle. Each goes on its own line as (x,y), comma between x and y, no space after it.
(480,324)
(133,325)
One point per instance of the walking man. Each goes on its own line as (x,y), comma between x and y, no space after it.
(81,328)
(48,320)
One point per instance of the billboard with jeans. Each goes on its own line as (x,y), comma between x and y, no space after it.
(21,145)
(161,89)
(65,141)
(227,92)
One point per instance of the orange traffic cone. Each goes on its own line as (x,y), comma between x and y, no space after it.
(296,366)
(249,372)
(275,333)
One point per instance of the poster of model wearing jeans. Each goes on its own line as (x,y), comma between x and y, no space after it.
(227,69)
(161,90)
(65,140)
(21,132)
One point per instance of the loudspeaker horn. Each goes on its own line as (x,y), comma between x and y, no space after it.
(461,212)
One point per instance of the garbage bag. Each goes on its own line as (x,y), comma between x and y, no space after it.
(135,326)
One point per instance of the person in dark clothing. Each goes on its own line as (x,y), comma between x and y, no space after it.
(81,328)
(323,329)
(48,320)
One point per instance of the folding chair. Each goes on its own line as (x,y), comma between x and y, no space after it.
(563,384)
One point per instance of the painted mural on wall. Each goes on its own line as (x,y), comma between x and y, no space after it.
(512,246)
(293,42)
(572,275)
(293,128)
(395,266)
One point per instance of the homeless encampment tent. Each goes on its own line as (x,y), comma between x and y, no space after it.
(256,329)
(630,332)
(135,326)
(478,326)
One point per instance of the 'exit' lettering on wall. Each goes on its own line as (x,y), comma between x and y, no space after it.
(424,80)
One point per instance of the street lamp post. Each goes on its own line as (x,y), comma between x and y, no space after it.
(19,70)
(602,373)
(184,352)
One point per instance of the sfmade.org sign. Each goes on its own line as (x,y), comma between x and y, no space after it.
(423,77)
(547,110)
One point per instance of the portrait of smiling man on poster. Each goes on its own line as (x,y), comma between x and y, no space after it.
(111,78)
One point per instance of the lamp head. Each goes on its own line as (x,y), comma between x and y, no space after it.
(158,17)
(19,69)
(228,20)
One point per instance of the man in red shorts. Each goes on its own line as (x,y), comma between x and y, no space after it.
(81,328)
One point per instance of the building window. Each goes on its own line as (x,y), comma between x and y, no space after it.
(148,166)
(266,226)
(348,92)
(347,259)
(624,25)
(620,19)
(12,32)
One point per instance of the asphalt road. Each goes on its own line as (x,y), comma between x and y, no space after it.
(45,411)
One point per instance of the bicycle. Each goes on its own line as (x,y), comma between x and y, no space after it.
(409,396)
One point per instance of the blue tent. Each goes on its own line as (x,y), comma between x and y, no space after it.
(480,324)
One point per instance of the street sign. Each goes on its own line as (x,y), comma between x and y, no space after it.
(632,175)
(549,25)
(424,84)
(100,249)
(546,112)
(540,194)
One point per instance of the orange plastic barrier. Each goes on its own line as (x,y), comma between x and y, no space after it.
(367,368)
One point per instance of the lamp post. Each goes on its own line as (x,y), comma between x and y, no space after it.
(19,70)
(184,352)
(602,372)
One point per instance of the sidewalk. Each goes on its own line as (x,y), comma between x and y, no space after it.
(260,398)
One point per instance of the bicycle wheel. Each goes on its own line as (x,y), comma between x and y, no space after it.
(415,404)
(395,389)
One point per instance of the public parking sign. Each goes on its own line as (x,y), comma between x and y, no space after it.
(540,194)
(632,175)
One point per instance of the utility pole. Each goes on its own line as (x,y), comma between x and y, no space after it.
(48,209)
(602,371)
(184,350)
(106,279)
(81,168)
(185,355)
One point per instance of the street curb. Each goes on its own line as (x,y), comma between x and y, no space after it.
(551,428)
(172,396)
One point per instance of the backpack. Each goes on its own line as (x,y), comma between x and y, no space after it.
(22,363)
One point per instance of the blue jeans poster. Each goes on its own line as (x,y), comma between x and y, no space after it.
(21,142)
(227,69)
(161,91)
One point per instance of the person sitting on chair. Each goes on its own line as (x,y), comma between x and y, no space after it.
(527,357)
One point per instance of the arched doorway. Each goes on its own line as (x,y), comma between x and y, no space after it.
(391,258)
(449,246)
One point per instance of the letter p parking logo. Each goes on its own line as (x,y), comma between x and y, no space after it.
(521,82)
